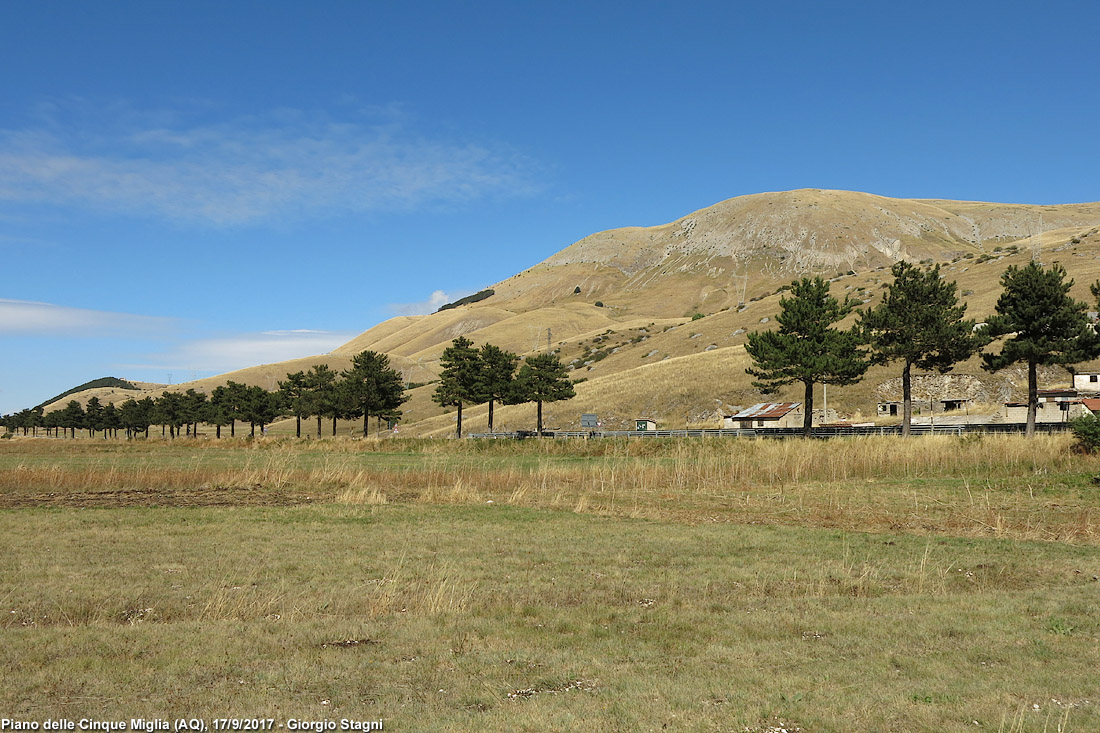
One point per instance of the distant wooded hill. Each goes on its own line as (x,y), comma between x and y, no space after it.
(114,382)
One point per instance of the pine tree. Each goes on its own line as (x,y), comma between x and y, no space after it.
(1045,326)
(93,416)
(294,393)
(499,374)
(373,387)
(258,407)
(919,323)
(806,348)
(194,408)
(320,394)
(72,417)
(542,378)
(461,382)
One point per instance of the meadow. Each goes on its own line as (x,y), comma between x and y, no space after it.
(710,584)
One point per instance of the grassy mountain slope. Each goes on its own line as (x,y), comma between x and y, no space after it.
(641,354)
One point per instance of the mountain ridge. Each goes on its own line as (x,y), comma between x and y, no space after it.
(624,298)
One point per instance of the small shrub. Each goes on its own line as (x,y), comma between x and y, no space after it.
(599,304)
(697,316)
(1086,429)
(577,290)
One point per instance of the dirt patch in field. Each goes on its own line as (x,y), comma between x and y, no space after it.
(200,496)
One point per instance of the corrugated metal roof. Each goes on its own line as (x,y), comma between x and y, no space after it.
(767,411)
(1092,404)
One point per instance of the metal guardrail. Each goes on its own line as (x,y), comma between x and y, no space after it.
(780,433)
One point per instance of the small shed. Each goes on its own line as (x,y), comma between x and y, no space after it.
(950,404)
(644,423)
(767,415)
(888,409)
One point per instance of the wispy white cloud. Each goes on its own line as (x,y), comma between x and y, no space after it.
(25,317)
(228,353)
(431,305)
(283,165)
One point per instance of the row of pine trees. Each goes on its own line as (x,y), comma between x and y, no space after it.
(369,388)
(921,324)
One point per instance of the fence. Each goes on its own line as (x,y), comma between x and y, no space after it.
(780,433)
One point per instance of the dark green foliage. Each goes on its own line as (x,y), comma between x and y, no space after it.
(498,375)
(169,412)
(258,407)
(372,387)
(294,392)
(482,295)
(807,348)
(1043,324)
(194,410)
(462,379)
(321,395)
(72,417)
(93,415)
(599,304)
(697,316)
(577,290)
(919,323)
(1087,431)
(135,416)
(542,378)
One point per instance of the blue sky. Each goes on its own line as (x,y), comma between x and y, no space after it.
(192,187)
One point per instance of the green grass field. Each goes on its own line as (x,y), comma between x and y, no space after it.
(926,585)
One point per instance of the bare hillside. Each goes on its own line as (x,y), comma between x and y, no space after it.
(654,320)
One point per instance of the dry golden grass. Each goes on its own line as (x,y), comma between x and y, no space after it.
(719,584)
(991,486)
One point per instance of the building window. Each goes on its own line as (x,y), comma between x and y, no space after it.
(1094,377)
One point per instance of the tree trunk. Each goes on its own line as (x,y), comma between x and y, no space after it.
(233,428)
(334,426)
(540,417)
(490,415)
(252,432)
(458,426)
(318,427)
(1032,397)
(219,431)
(298,424)
(906,399)
(808,417)
(366,416)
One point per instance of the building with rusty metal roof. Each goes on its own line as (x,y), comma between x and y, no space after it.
(767,415)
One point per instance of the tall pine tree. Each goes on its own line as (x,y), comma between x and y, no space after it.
(806,347)
(542,378)
(1043,323)
(373,387)
(294,392)
(499,374)
(462,380)
(919,323)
